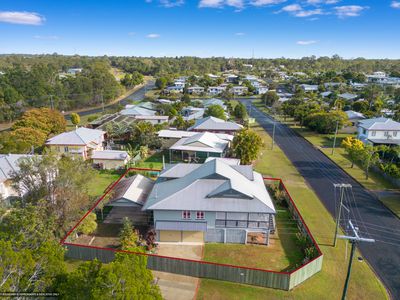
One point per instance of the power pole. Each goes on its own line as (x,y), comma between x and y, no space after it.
(51,102)
(102,101)
(341,187)
(334,139)
(354,240)
(273,136)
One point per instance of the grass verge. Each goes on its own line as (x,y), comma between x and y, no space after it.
(328,283)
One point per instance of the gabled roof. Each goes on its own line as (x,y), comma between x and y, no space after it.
(80,136)
(110,155)
(201,142)
(213,101)
(212,186)
(379,124)
(212,123)
(9,163)
(348,96)
(137,111)
(354,115)
(134,189)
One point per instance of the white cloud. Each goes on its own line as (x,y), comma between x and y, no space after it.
(266,2)
(292,8)
(235,3)
(46,37)
(395,4)
(308,13)
(21,17)
(349,10)
(172,3)
(211,3)
(317,2)
(306,43)
(153,36)
(240,33)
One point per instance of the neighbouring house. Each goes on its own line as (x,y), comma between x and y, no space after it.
(239,90)
(212,124)
(260,90)
(354,116)
(212,76)
(110,159)
(329,85)
(379,131)
(214,101)
(192,113)
(348,96)
(195,90)
(200,146)
(74,71)
(137,111)
(309,87)
(217,201)
(215,90)
(170,137)
(358,86)
(231,78)
(326,94)
(80,142)
(9,163)
(175,89)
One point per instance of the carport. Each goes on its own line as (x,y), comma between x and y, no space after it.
(185,232)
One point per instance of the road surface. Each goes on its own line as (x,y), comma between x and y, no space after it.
(369,214)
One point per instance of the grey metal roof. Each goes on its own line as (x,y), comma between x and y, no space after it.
(110,154)
(348,96)
(212,123)
(135,189)
(379,124)
(181,225)
(80,136)
(351,114)
(9,163)
(137,111)
(212,186)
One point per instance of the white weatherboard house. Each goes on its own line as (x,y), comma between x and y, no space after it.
(81,142)
(379,131)
(201,146)
(9,163)
(211,202)
(110,159)
(212,124)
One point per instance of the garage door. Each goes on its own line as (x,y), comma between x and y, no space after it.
(170,236)
(192,236)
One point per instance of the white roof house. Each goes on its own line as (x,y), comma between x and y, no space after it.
(137,111)
(213,124)
(379,131)
(192,113)
(9,163)
(79,137)
(110,155)
(348,96)
(309,87)
(214,101)
(201,142)
(354,115)
(178,134)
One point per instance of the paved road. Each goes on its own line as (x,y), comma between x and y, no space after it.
(137,95)
(371,216)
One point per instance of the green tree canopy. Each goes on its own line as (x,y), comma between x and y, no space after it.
(247,145)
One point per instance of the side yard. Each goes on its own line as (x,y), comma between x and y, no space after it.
(363,285)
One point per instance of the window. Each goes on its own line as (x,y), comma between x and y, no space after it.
(66,149)
(394,133)
(186,214)
(200,215)
(373,133)
(386,133)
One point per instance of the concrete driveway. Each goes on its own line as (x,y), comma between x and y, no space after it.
(174,286)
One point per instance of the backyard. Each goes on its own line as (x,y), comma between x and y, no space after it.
(363,283)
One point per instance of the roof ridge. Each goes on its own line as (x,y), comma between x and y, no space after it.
(76,132)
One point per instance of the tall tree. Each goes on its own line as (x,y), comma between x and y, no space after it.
(216,111)
(247,145)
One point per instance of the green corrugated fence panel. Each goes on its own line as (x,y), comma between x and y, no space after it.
(305,272)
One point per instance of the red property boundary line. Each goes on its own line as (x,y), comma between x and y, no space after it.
(108,189)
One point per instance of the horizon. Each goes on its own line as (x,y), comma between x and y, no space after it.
(264,29)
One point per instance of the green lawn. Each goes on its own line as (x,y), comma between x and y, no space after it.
(154,161)
(101,181)
(393,203)
(328,283)
(280,255)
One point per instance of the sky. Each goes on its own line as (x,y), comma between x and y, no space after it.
(204,28)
